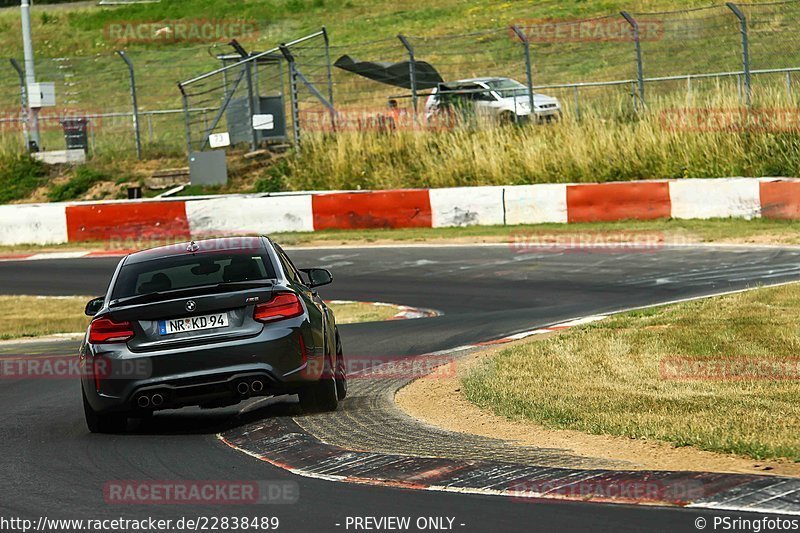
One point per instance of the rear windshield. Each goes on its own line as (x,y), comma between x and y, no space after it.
(171,273)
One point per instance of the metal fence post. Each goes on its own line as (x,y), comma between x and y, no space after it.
(577,104)
(136,131)
(739,90)
(187,120)
(30,74)
(638,44)
(251,111)
(745,50)
(412,68)
(293,94)
(329,67)
(528,71)
(247,72)
(256,83)
(24,101)
(93,137)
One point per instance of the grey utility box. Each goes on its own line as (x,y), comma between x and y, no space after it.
(240,124)
(208,168)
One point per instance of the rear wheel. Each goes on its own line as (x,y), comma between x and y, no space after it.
(341,371)
(103,423)
(320,396)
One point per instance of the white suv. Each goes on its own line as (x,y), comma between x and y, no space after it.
(501,98)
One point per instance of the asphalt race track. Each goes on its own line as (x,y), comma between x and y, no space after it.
(53,467)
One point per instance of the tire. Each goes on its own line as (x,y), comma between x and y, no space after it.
(341,371)
(319,397)
(507,118)
(103,423)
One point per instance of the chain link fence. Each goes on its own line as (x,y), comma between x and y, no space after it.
(612,66)
(259,97)
(616,65)
(99,91)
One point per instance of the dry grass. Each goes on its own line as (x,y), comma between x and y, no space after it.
(34,316)
(591,150)
(356,312)
(609,378)
(609,143)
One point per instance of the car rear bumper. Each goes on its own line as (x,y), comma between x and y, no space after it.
(275,360)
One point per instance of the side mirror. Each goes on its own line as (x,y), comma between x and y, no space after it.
(318,276)
(94,306)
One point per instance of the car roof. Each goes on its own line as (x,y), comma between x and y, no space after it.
(226,244)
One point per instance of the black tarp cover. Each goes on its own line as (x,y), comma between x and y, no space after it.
(396,74)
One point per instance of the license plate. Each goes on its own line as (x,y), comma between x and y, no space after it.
(195,323)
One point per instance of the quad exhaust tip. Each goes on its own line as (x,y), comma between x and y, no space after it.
(243,388)
(154,400)
(257,386)
(157,400)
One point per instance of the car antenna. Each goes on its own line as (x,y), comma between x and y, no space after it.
(193,247)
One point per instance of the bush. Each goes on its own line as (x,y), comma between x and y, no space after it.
(274,179)
(19,177)
(77,186)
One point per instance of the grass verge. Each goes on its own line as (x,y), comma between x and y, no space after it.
(643,148)
(19,177)
(34,316)
(356,312)
(719,374)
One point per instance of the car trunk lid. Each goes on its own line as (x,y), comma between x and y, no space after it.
(184,320)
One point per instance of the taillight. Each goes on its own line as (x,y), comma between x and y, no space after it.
(282,306)
(105,330)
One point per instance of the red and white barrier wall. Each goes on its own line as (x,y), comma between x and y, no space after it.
(143,220)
